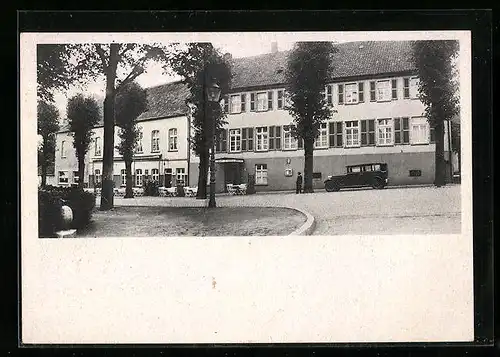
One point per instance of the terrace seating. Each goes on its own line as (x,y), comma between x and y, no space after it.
(237,189)
(190,191)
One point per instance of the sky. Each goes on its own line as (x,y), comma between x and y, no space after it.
(154,72)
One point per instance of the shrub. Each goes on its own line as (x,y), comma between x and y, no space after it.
(50,201)
(151,188)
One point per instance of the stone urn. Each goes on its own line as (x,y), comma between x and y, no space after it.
(67,218)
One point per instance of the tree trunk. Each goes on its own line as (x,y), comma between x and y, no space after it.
(440,166)
(202,176)
(109,128)
(129,193)
(308,165)
(81,171)
(44,173)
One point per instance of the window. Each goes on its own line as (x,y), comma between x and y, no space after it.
(351,93)
(221,143)
(414,87)
(155,141)
(261,101)
(361,91)
(419,131)
(406,88)
(76,178)
(275,138)
(351,133)
(335,134)
(172,139)
(394,89)
(354,169)
(383,90)
(97,146)
(262,138)
(329,94)
(401,131)
(385,132)
(261,174)
(341,93)
(124,177)
(63,148)
(138,177)
(368,132)
(97,174)
(234,140)
(373,92)
(155,175)
(289,142)
(63,177)
(322,140)
(138,147)
(226,104)
(247,139)
(415,173)
(270,98)
(281,94)
(316,175)
(235,104)
(180,175)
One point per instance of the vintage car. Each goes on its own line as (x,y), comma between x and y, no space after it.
(363,175)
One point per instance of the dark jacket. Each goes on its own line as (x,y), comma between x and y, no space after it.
(299,180)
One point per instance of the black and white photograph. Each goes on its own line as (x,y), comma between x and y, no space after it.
(237,187)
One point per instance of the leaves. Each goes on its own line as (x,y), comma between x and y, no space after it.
(47,126)
(53,70)
(83,114)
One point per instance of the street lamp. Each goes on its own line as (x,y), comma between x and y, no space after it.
(213,94)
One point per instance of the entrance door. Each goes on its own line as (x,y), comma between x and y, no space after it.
(232,174)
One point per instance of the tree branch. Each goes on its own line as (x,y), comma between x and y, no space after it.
(136,71)
(102,55)
(128,47)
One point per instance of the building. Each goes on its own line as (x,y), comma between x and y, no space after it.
(50,178)
(372,87)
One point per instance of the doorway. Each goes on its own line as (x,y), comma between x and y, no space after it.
(232,174)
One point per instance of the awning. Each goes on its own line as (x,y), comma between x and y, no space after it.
(229,161)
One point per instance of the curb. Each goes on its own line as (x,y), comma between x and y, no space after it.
(307,228)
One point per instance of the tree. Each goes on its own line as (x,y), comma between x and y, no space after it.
(434,60)
(48,125)
(120,64)
(53,70)
(200,64)
(307,71)
(455,140)
(83,114)
(130,103)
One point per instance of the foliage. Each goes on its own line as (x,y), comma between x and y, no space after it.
(435,61)
(47,126)
(307,73)
(151,188)
(50,201)
(54,71)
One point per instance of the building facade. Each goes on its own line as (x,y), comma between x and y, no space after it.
(377,118)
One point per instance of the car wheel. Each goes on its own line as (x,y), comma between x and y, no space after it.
(331,186)
(378,184)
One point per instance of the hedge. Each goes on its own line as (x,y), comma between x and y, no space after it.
(50,201)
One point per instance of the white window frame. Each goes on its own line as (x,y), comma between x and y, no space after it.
(381,90)
(97,146)
(235,138)
(413,84)
(258,101)
(123,174)
(155,141)
(235,104)
(321,141)
(352,134)
(97,176)
(139,178)
(261,174)
(421,123)
(262,138)
(289,142)
(180,174)
(138,146)
(63,179)
(63,149)
(354,94)
(155,175)
(385,132)
(172,139)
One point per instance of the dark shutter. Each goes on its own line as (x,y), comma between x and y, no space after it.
(277,140)
(270,100)
(280,99)
(331,134)
(224,140)
(406,88)
(252,102)
(271,138)
(406,131)
(250,139)
(329,94)
(243,102)
(226,104)
(372,92)
(397,131)
(341,94)
(361,94)
(394,85)
(364,133)
(244,139)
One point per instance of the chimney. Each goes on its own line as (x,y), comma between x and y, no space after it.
(274,47)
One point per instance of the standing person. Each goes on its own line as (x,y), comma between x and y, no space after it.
(298,183)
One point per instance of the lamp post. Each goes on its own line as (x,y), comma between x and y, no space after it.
(213,94)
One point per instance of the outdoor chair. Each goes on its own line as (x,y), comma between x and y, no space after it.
(231,189)
(171,191)
(241,189)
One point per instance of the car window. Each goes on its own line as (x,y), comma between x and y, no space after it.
(356,169)
(368,168)
(376,167)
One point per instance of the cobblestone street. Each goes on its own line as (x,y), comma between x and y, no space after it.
(413,210)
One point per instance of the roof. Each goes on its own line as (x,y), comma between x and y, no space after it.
(353,59)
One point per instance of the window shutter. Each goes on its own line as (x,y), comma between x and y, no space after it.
(361,94)
(331,134)
(243,102)
(406,131)
(270,100)
(329,94)
(406,88)
(277,134)
(341,94)
(250,139)
(226,104)
(394,85)
(397,131)
(372,91)
(271,138)
(252,102)
(364,133)
(244,139)
(280,99)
